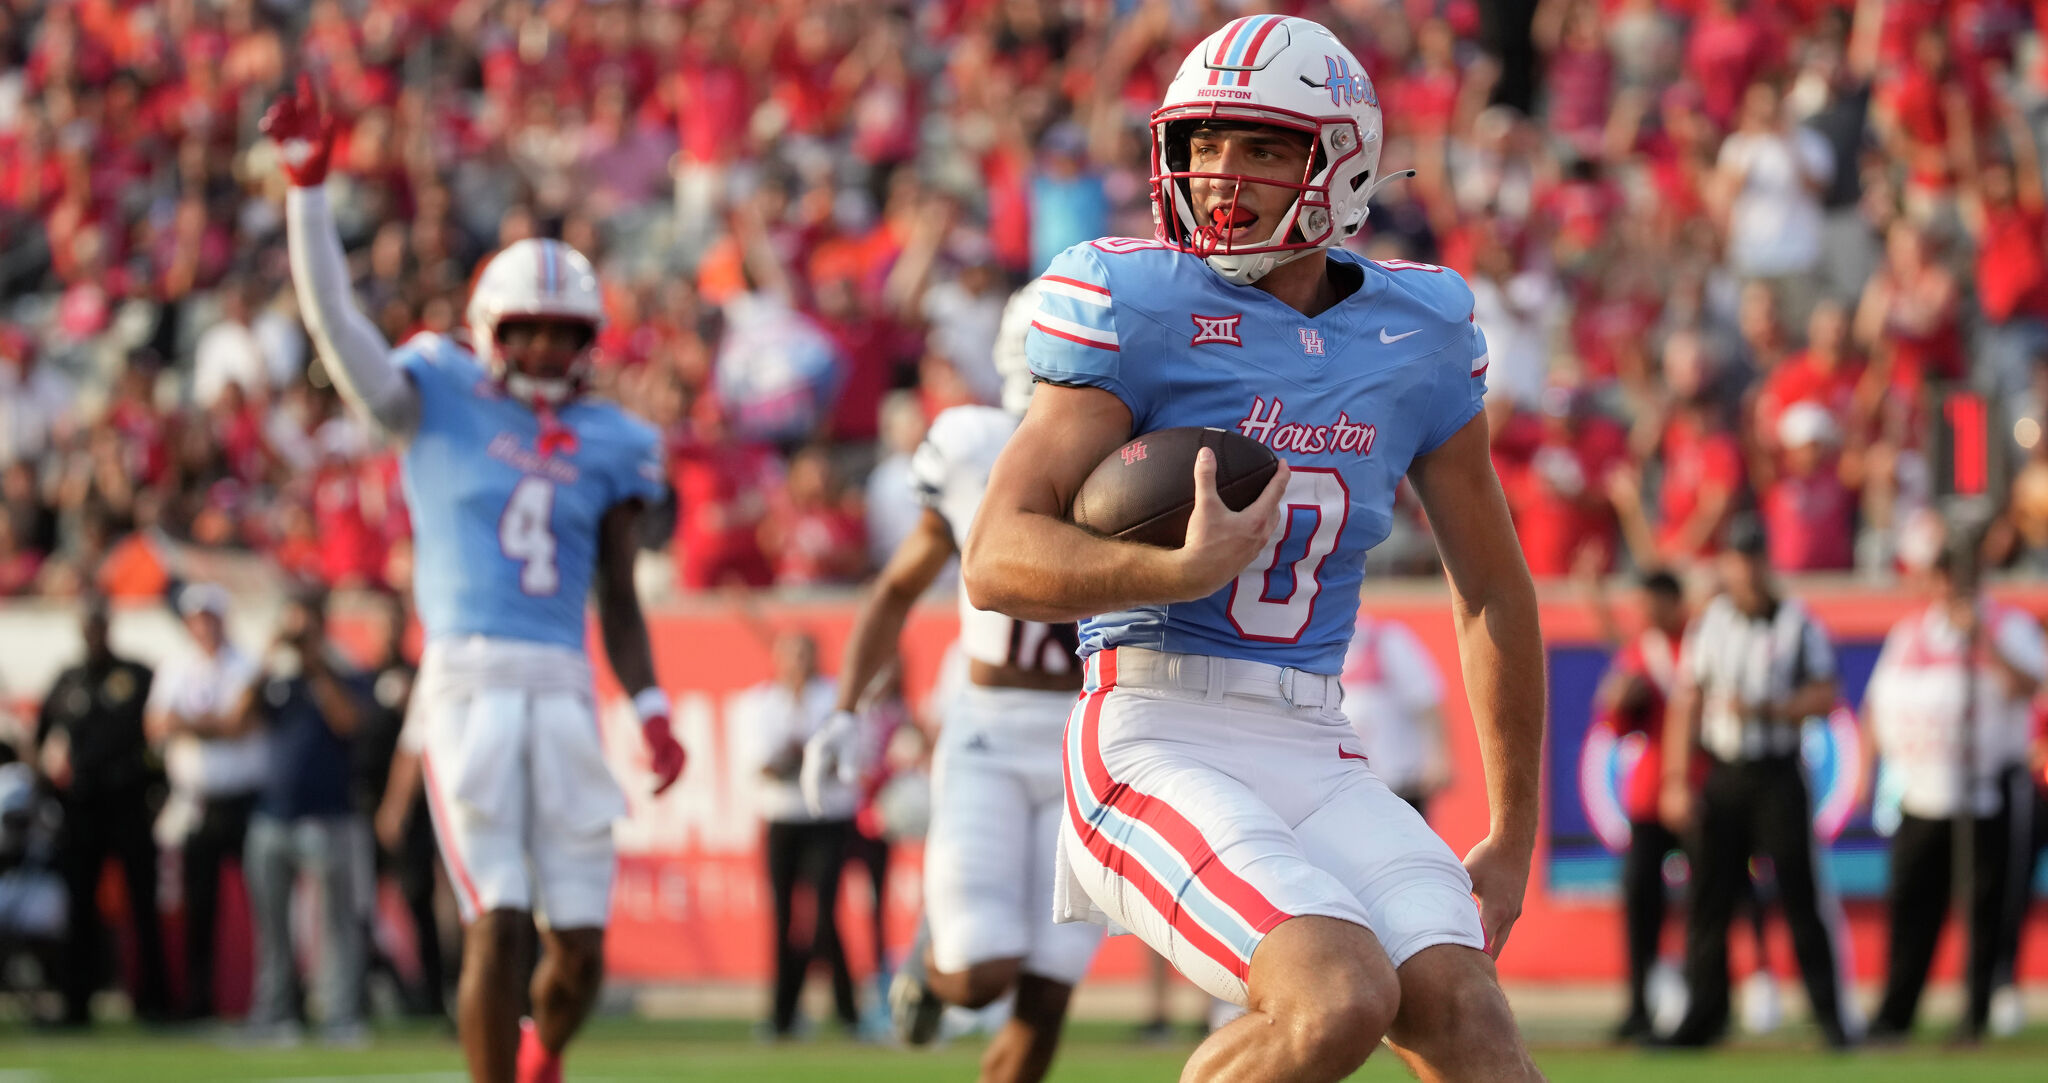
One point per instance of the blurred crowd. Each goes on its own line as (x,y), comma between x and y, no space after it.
(1727,254)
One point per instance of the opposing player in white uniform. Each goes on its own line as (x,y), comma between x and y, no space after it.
(520,490)
(996,794)
(1217,803)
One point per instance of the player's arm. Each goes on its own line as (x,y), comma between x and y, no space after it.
(911,570)
(835,750)
(1682,719)
(1024,559)
(354,352)
(400,786)
(627,647)
(1500,649)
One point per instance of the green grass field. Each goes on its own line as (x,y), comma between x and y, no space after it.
(616,1051)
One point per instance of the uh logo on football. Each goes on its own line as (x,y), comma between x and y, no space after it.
(1340,437)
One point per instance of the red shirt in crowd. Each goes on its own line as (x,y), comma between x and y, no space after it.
(1652,656)
(1724,54)
(1809,519)
(2012,270)
(1694,458)
(351,542)
(1558,492)
(720,487)
(1802,378)
(820,545)
(713,101)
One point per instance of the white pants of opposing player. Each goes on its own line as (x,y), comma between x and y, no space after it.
(516,781)
(988,861)
(1204,809)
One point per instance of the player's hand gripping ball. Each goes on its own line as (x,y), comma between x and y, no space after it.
(1144,491)
(304,134)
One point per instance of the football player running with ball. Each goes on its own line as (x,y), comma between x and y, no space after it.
(520,491)
(997,800)
(1218,804)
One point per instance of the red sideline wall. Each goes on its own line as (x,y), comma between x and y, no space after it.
(691,889)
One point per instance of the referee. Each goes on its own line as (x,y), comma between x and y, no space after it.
(1753,669)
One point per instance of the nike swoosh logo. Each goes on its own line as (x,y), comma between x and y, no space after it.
(1344,754)
(1391,339)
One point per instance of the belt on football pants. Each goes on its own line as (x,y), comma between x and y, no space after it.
(1212,678)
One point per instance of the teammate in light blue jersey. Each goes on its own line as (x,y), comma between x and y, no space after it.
(1218,803)
(523,494)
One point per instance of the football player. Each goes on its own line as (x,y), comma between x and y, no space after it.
(520,489)
(1218,804)
(997,800)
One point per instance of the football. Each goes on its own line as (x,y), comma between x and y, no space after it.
(1145,490)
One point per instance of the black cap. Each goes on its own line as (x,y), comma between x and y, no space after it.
(1745,535)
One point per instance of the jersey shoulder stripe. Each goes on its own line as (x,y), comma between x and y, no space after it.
(1074,302)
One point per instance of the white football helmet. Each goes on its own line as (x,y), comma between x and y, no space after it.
(534,279)
(1286,73)
(1011,364)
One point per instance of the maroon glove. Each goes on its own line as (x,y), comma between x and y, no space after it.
(304,135)
(665,754)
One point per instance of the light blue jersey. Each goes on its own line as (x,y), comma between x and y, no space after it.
(505,538)
(1349,398)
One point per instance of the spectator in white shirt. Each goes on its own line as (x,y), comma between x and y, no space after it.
(1954,732)
(1768,184)
(964,313)
(772,721)
(35,403)
(1393,694)
(892,505)
(214,771)
(229,352)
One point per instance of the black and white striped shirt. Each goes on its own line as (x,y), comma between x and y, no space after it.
(1742,664)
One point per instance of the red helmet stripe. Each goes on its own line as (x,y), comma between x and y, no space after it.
(1230,33)
(1251,52)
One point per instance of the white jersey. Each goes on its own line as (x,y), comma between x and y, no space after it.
(950,471)
(1915,706)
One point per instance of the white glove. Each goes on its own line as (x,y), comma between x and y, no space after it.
(831,753)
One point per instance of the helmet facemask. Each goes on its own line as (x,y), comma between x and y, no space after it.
(539,287)
(522,346)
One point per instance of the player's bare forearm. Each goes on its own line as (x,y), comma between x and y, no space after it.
(1681,732)
(1500,640)
(620,622)
(400,786)
(1035,566)
(879,624)
(1500,649)
(1022,557)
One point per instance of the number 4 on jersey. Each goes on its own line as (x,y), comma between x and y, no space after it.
(526,533)
(1273,598)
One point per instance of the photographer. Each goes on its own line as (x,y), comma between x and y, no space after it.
(310,702)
